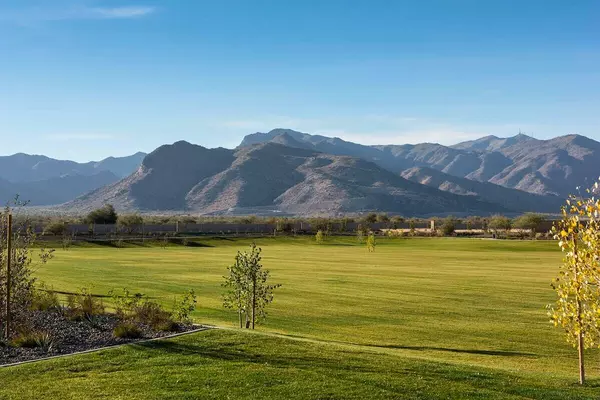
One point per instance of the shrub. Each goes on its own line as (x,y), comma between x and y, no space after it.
(84,304)
(127,330)
(152,314)
(31,340)
(44,299)
(166,326)
(126,303)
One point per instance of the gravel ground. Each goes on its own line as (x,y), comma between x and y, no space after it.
(74,336)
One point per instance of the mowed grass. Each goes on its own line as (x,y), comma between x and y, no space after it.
(460,307)
(233,365)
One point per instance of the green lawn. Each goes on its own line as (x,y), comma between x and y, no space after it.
(458,313)
(234,365)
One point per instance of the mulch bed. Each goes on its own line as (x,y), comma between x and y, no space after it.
(74,336)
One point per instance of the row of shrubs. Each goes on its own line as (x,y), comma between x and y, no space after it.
(134,311)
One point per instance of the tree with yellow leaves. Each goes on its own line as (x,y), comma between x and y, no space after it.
(577,309)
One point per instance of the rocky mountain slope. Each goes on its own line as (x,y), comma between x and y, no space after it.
(512,199)
(547,167)
(276,177)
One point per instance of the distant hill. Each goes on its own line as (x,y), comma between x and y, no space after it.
(54,190)
(548,167)
(272,176)
(45,181)
(29,168)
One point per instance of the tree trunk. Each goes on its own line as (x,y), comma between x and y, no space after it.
(581,363)
(240,317)
(253,300)
(580,343)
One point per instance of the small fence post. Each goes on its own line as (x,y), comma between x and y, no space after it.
(8,277)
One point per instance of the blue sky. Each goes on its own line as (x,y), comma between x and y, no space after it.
(87,79)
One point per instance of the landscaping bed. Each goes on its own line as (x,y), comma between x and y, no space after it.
(57,334)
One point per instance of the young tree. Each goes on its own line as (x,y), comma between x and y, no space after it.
(248,291)
(319,237)
(371,243)
(23,262)
(361,231)
(577,309)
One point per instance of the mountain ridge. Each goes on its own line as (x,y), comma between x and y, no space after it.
(42,180)
(547,167)
(276,177)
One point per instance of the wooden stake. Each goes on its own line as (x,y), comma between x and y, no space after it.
(8,277)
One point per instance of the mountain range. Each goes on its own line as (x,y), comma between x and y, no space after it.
(546,167)
(285,171)
(46,181)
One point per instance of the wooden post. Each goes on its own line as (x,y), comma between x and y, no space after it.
(8,277)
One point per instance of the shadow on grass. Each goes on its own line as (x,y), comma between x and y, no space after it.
(360,367)
(500,353)
(466,351)
(226,352)
(190,243)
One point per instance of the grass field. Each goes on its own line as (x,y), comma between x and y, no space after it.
(419,318)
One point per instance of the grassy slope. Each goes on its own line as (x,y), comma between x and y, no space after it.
(466,302)
(235,365)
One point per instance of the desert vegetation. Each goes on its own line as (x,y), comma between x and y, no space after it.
(36,322)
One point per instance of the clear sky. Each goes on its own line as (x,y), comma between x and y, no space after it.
(87,79)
